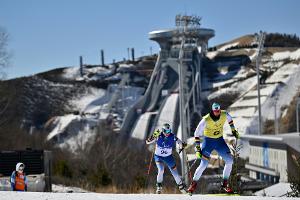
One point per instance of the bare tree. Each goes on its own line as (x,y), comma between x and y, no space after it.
(4,60)
(4,54)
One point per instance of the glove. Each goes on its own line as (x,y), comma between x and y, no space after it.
(156,133)
(198,152)
(183,145)
(235,133)
(198,155)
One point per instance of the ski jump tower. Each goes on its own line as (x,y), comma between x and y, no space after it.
(174,92)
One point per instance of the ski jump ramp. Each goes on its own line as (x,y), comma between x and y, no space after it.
(160,103)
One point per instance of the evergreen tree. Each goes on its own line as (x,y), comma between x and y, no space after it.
(235,178)
(295,179)
(282,40)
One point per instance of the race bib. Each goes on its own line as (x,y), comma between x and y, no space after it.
(164,152)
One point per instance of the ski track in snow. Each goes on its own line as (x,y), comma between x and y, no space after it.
(101,196)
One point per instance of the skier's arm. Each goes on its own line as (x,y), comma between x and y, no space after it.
(199,132)
(230,122)
(180,142)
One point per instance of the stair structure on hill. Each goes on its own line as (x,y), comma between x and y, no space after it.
(180,58)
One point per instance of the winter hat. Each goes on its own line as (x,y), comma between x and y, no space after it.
(216,106)
(20,166)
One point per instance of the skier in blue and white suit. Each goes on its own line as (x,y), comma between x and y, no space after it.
(165,141)
(211,127)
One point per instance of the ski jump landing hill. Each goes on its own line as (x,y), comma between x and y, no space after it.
(160,103)
(98,196)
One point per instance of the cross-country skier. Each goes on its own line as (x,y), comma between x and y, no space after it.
(211,127)
(18,179)
(165,140)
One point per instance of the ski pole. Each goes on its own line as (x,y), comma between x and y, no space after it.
(189,171)
(187,162)
(149,168)
(189,166)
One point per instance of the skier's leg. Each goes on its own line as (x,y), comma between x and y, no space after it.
(160,172)
(173,168)
(200,169)
(206,148)
(225,153)
(227,168)
(177,177)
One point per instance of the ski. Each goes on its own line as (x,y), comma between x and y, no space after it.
(224,194)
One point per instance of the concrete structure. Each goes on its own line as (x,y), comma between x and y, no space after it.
(175,84)
(272,156)
(167,39)
(150,111)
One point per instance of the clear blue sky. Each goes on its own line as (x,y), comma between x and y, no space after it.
(49,34)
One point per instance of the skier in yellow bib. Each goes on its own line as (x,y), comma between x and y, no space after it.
(211,127)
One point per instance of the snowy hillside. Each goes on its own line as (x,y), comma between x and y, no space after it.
(94,105)
(283,84)
(279,75)
(97,196)
(71,105)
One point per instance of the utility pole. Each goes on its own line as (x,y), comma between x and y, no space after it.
(102,57)
(181,107)
(261,39)
(81,66)
(275,116)
(128,57)
(182,23)
(132,54)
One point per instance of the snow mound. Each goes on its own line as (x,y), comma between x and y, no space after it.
(66,189)
(295,55)
(277,190)
(86,100)
(61,123)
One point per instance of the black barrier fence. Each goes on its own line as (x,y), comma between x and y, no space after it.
(36,162)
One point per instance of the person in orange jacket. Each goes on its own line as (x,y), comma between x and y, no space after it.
(18,178)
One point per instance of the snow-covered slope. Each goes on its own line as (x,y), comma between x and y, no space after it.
(94,105)
(281,70)
(282,84)
(98,196)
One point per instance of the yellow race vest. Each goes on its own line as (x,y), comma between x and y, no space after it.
(214,129)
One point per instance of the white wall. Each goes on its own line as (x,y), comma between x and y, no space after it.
(277,160)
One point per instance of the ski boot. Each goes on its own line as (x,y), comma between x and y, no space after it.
(181,188)
(192,187)
(226,188)
(158,188)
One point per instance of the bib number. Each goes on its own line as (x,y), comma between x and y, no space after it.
(216,132)
(163,152)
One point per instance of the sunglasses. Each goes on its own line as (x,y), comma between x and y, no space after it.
(167,131)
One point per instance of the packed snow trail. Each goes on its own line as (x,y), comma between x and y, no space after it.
(98,196)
